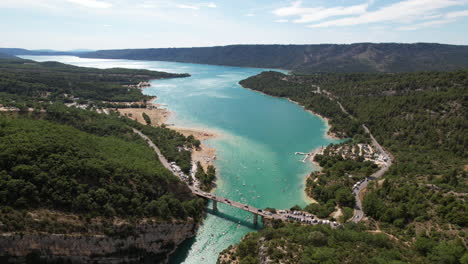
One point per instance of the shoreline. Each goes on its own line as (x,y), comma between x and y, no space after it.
(206,155)
(158,116)
(314,152)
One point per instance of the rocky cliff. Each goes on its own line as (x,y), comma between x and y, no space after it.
(149,242)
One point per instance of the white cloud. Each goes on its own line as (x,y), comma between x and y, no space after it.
(250,15)
(307,14)
(377,28)
(188,7)
(426,24)
(447,18)
(211,5)
(457,14)
(91,3)
(407,11)
(25,4)
(281,21)
(197,6)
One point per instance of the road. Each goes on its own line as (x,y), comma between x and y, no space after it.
(163,159)
(358,212)
(232,203)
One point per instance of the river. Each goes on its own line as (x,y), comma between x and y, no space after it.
(259,135)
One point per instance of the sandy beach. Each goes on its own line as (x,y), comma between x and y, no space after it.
(317,151)
(205,155)
(157,116)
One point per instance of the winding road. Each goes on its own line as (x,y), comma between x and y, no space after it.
(163,159)
(358,212)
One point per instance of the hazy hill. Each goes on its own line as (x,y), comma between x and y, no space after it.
(6,56)
(360,57)
(15,51)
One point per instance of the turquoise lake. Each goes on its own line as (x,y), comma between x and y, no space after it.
(258,136)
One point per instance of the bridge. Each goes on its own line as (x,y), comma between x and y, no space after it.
(255,211)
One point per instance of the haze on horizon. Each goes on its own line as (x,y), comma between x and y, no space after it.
(110,24)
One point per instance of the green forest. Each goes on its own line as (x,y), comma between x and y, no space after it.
(51,166)
(295,244)
(420,118)
(56,159)
(54,81)
(331,186)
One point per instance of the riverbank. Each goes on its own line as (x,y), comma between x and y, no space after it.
(158,116)
(317,151)
(205,155)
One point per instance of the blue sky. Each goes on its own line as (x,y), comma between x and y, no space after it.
(108,24)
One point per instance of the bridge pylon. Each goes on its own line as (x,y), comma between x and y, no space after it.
(255,219)
(215,205)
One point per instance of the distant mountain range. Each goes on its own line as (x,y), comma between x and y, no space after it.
(359,57)
(41,52)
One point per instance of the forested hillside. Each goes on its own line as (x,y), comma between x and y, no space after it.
(321,244)
(75,160)
(359,57)
(58,81)
(50,166)
(83,174)
(421,119)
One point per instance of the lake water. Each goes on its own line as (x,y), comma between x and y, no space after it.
(255,150)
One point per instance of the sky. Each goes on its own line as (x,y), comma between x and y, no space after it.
(114,24)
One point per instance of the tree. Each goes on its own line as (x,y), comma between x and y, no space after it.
(344,197)
(447,253)
(146,118)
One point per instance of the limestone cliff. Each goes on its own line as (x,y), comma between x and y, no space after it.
(149,242)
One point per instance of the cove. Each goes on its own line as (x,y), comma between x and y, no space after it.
(255,150)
